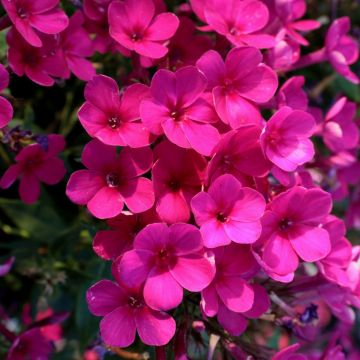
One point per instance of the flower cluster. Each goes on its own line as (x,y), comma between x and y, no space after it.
(215,170)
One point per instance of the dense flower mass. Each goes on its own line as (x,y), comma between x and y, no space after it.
(220,185)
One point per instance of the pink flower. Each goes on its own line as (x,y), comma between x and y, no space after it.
(239,153)
(291,229)
(6,110)
(112,180)
(292,94)
(238,83)
(228,212)
(112,118)
(125,312)
(178,175)
(110,244)
(289,353)
(230,296)
(43,15)
(239,21)
(40,65)
(285,139)
(6,266)
(339,130)
(179,109)
(135,26)
(35,165)
(167,259)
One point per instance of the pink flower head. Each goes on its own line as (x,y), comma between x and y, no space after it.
(239,21)
(341,49)
(167,259)
(96,9)
(230,296)
(291,229)
(135,26)
(179,110)
(285,139)
(40,65)
(30,16)
(113,118)
(228,212)
(111,180)
(36,164)
(239,153)
(6,110)
(238,84)
(292,94)
(110,244)
(125,312)
(30,344)
(77,46)
(340,132)
(178,175)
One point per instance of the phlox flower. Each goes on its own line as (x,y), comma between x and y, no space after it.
(228,212)
(125,313)
(179,109)
(135,26)
(291,229)
(178,174)
(6,109)
(114,118)
(292,94)
(111,180)
(230,296)
(34,165)
(110,244)
(30,16)
(167,259)
(238,84)
(285,139)
(339,130)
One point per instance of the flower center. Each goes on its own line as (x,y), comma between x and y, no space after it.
(174,185)
(233,31)
(136,37)
(22,13)
(221,217)
(163,254)
(285,224)
(112,180)
(114,122)
(134,302)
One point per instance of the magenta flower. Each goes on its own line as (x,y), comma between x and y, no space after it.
(34,165)
(239,21)
(167,259)
(40,65)
(135,26)
(291,229)
(228,212)
(238,84)
(111,180)
(112,118)
(230,296)
(178,175)
(339,130)
(28,16)
(125,312)
(292,94)
(6,110)
(285,139)
(179,109)
(289,353)
(239,153)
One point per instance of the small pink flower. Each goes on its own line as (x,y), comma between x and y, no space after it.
(28,16)
(239,21)
(178,175)
(228,212)
(230,296)
(339,130)
(6,110)
(111,180)
(179,109)
(167,259)
(291,229)
(285,139)
(292,94)
(35,165)
(112,118)
(125,312)
(238,84)
(135,26)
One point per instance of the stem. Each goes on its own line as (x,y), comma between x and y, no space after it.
(5,22)
(160,352)
(315,57)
